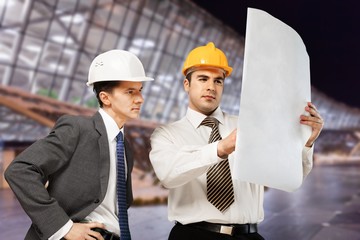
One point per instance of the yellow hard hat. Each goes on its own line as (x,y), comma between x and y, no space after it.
(206,56)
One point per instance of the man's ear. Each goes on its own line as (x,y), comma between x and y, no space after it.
(186,84)
(104,97)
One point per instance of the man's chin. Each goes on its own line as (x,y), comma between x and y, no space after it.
(208,110)
(134,116)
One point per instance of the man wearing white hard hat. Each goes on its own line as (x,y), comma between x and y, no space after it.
(85,161)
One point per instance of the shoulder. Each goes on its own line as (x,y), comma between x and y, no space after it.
(231,121)
(173,128)
(73,120)
(230,117)
(73,124)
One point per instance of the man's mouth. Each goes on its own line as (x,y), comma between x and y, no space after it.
(209,97)
(135,109)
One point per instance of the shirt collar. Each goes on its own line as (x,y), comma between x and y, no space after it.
(112,129)
(196,118)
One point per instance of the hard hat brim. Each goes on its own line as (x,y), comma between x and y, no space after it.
(227,69)
(135,79)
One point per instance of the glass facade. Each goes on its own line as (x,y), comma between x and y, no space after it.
(46,47)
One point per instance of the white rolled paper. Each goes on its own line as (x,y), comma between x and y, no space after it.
(275,91)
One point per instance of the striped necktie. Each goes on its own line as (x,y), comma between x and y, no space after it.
(121,189)
(220,190)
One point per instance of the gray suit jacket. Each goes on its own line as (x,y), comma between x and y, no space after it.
(75,159)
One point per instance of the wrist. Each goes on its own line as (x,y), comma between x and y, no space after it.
(221,152)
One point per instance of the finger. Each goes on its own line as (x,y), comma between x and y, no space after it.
(313,119)
(312,109)
(96,225)
(311,105)
(89,237)
(313,112)
(92,233)
(315,125)
(96,235)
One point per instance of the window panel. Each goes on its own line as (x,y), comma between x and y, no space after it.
(83,67)
(7,39)
(29,52)
(38,29)
(93,39)
(20,78)
(117,18)
(130,22)
(13,9)
(50,57)
(109,41)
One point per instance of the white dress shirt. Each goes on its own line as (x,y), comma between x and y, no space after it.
(181,155)
(106,212)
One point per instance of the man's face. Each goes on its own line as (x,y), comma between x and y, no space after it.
(124,101)
(205,90)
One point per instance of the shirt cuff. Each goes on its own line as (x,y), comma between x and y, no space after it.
(213,153)
(62,231)
(307,160)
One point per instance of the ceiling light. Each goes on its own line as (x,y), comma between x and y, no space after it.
(33,48)
(62,39)
(76,19)
(143,43)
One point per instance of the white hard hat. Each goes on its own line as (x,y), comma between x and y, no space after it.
(116,65)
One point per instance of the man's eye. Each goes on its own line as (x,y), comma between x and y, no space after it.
(130,92)
(219,82)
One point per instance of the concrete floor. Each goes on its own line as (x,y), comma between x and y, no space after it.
(326,207)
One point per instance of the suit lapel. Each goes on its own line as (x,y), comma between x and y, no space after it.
(104,153)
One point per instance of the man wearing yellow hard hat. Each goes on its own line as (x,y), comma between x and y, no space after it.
(193,158)
(86,161)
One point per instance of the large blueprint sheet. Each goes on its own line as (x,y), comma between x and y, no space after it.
(275,90)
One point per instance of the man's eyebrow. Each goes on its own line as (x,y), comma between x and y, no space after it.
(206,76)
(202,76)
(132,88)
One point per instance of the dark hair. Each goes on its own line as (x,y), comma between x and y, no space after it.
(106,86)
(188,76)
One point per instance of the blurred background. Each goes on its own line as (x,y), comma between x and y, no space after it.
(46,47)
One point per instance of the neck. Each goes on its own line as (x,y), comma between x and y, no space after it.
(119,121)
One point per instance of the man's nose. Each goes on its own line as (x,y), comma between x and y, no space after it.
(139,98)
(210,85)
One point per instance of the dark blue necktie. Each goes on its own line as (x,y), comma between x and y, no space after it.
(121,189)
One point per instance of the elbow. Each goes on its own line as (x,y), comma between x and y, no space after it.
(8,173)
(10,176)
(163,180)
(166,181)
